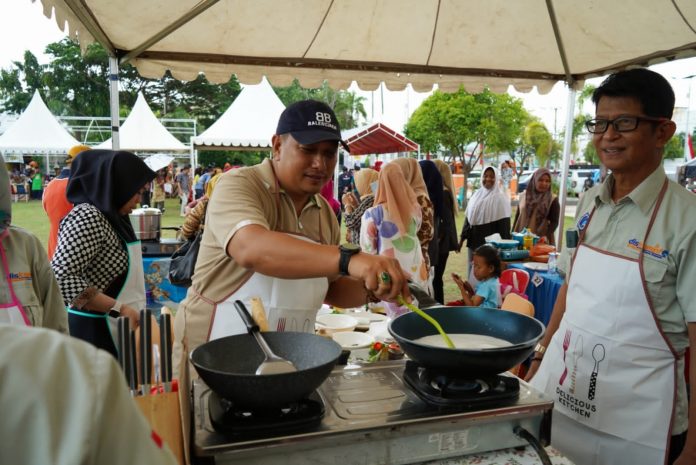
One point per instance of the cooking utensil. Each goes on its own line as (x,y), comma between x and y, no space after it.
(566,345)
(133,369)
(145,351)
(577,353)
(521,331)
(124,347)
(598,356)
(400,300)
(228,366)
(166,350)
(146,223)
(272,364)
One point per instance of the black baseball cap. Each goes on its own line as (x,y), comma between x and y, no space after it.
(309,122)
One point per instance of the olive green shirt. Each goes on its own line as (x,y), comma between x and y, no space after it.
(670,271)
(33,281)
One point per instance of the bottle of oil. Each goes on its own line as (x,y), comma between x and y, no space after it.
(528,240)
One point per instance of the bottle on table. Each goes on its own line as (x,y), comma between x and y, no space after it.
(528,240)
(553,262)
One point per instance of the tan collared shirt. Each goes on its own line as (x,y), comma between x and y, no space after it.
(669,264)
(243,197)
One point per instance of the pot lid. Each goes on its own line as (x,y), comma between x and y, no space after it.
(147,211)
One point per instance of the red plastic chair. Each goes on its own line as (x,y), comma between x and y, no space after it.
(515,281)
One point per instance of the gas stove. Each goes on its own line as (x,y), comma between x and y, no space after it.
(372,416)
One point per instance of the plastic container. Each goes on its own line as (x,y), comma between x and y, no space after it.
(553,262)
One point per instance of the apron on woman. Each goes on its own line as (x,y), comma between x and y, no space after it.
(609,368)
(100,328)
(10,313)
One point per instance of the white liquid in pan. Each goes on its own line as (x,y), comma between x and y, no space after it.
(465,341)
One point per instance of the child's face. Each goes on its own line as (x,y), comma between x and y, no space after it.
(482,270)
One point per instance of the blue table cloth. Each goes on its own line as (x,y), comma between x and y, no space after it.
(158,289)
(541,293)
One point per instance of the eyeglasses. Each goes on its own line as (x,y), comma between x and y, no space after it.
(620,124)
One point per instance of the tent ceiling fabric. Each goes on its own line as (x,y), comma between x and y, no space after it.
(376,139)
(423,42)
(37,131)
(142,131)
(248,123)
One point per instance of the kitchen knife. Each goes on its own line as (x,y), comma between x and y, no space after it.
(133,365)
(145,351)
(124,347)
(166,351)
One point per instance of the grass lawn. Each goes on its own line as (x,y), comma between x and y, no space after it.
(30,215)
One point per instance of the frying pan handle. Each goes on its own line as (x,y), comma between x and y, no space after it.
(536,445)
(246,317)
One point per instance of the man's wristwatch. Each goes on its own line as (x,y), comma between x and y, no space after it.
(539,352)
(347,251)
(115,310)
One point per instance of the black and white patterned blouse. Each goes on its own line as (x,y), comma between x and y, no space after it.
(89,255)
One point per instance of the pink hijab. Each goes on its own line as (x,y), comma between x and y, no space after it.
(328,193)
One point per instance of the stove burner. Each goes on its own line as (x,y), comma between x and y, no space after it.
(441,390)
(244,423)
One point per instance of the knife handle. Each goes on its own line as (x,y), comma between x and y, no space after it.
(165,348)
(133,366)
(145,349)
(123,342)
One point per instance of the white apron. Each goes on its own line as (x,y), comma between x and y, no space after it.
(609,369)
(11,313)
(291,304)
(132,293)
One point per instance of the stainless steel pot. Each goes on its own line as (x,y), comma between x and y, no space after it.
(147,223)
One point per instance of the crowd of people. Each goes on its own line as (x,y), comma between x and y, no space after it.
(271,231)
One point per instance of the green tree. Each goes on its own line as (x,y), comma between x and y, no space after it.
(540,140)
(451,123)
(348,106)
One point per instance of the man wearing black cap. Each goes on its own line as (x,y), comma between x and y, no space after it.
(269,234)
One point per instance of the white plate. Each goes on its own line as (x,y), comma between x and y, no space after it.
(537,266)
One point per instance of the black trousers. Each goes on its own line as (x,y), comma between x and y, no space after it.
(676,446)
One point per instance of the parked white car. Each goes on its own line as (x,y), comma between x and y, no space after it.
(577,179)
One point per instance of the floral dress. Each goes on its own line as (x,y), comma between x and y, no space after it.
(380,236)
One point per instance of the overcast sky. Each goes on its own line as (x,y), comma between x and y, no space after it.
(24,27)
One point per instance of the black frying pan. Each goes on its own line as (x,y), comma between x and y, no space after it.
(522,331)
(228,366)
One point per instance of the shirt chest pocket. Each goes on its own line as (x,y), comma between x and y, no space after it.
(656,276)
(24,290)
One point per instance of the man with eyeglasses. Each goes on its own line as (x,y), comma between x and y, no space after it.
(613,355)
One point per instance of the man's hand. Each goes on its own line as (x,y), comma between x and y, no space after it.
(381,275)
(132,315)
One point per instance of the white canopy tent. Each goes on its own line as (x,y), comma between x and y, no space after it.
(248,123)
(142,131)
(449,43)
(36,131)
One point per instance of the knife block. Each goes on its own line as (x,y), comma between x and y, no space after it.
(162,412)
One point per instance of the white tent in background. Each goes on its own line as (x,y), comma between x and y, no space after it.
(142,131)
(36,131)
(247,124)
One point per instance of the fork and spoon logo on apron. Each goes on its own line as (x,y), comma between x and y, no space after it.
(598,354)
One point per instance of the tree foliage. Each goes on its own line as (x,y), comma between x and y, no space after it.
(452,122)
(348,106)
(541,141)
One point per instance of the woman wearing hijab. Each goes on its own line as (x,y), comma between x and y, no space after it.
(435,187)
(29,293)
(98,261)
(414,178)
(353,209)
(390,227)
(539,210)
(328,193)
(488,212)
(447,229)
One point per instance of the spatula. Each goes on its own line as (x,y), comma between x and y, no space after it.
(272,364)
(400,300)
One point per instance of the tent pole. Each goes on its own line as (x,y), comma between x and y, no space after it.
(563,194)
(113,102)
